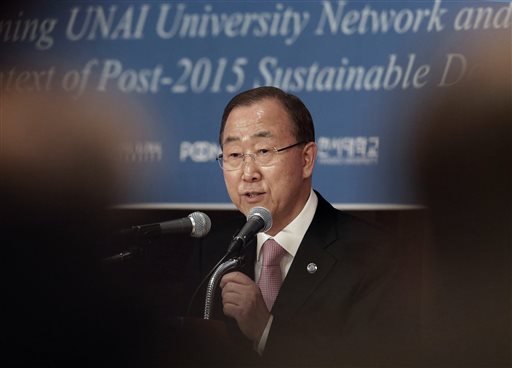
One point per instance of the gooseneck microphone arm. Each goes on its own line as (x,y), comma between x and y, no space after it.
(259,219)
(220,271)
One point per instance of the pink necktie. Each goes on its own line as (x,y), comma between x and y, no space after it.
(271,277)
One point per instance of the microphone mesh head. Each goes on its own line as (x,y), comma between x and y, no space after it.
(264,214)
(202,224)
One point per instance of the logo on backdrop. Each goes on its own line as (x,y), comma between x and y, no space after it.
(348,150)
(331,151)
(141,151)
(199,151)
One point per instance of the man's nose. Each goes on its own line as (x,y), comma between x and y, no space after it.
(251,170)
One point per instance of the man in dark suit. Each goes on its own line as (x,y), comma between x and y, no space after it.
(339,302)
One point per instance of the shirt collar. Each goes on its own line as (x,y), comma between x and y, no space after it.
(291,236)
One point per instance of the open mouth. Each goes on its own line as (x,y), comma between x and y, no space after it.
(252,195)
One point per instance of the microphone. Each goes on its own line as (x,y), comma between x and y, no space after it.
(197,224)
(258,220)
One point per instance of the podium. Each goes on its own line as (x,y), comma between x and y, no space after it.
(207,343)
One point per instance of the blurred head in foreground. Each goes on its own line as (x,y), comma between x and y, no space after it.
(59,156)
(59,173)
(465,143)
(465,171)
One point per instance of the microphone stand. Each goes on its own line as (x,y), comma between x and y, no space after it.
(119,257)
(223,268)
(137,243)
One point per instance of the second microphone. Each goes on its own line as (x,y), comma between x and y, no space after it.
(197,225)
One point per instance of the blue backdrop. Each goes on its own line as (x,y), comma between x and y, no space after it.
(362,67)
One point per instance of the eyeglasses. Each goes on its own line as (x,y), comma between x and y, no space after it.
(232,160)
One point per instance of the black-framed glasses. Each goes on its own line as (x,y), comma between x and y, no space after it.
(231,160)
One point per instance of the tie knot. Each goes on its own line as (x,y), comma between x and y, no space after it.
(272,253)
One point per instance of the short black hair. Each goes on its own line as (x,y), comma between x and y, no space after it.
(299,114)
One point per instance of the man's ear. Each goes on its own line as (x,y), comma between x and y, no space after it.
(309,156)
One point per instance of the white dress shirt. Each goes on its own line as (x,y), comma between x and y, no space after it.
(289,238)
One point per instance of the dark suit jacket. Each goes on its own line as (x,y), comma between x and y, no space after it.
(354,310)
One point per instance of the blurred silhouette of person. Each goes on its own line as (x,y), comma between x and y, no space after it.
(60,306)
(464,171)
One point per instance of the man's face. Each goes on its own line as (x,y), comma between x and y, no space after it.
(283,188)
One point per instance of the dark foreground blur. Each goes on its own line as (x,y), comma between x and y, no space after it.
(465,173)
(61,307)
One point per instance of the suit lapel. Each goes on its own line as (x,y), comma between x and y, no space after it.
(299,282)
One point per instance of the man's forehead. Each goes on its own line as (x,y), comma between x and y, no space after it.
(266,118)
(234,137)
